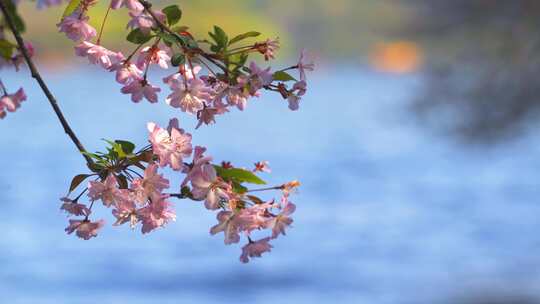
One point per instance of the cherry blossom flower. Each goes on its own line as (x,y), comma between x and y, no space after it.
(234,95)
(132,5)
(143,21)
(206,185)
(76,28)
(262,167)
(304,66)
(282,220)
(299,89)
(293,102)
(74,208)
(125,210)
(150,186)
(258,78)
(172,145)
(255,249)
(206,116)
(140,88)
(254,217)
(268,48)
(107,191)
(199,161)
(219,106)
(156,214)
(85,229)
(228,226)
(238,97)
(126,72)
(185,73)
(96,54)
(154,55)
(189,95)
(12,102)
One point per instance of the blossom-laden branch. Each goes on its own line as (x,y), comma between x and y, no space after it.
(20,96)
(128,181)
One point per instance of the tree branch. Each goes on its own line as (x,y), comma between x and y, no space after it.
(44,88)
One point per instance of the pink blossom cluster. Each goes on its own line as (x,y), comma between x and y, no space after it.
(237,217)
(204,96)
(234,221)
(144,201)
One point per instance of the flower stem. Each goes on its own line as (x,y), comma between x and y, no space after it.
(103,25)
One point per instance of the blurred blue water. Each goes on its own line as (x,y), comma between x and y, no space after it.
(387,213)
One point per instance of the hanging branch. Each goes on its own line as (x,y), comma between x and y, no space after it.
(35,74)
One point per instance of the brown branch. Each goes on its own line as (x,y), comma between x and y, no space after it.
(44,88)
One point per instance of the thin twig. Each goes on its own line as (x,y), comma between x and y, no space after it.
(44,88)
(103,24)
(177,195)
(266,189)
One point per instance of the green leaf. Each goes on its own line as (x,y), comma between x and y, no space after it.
(127,146)
(178,59)
(238,188)
(191,43)
(169,39)
(71,7)
(173,13)
(177,38)
(117,148)
(220,37)
(77,180)
(6,49)
(239,175)
(244,36)
(238,59)
(115,151)
(138,37)
(92,155)
(215,48)
(282,76)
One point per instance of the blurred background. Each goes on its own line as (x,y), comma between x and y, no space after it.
(416,146)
